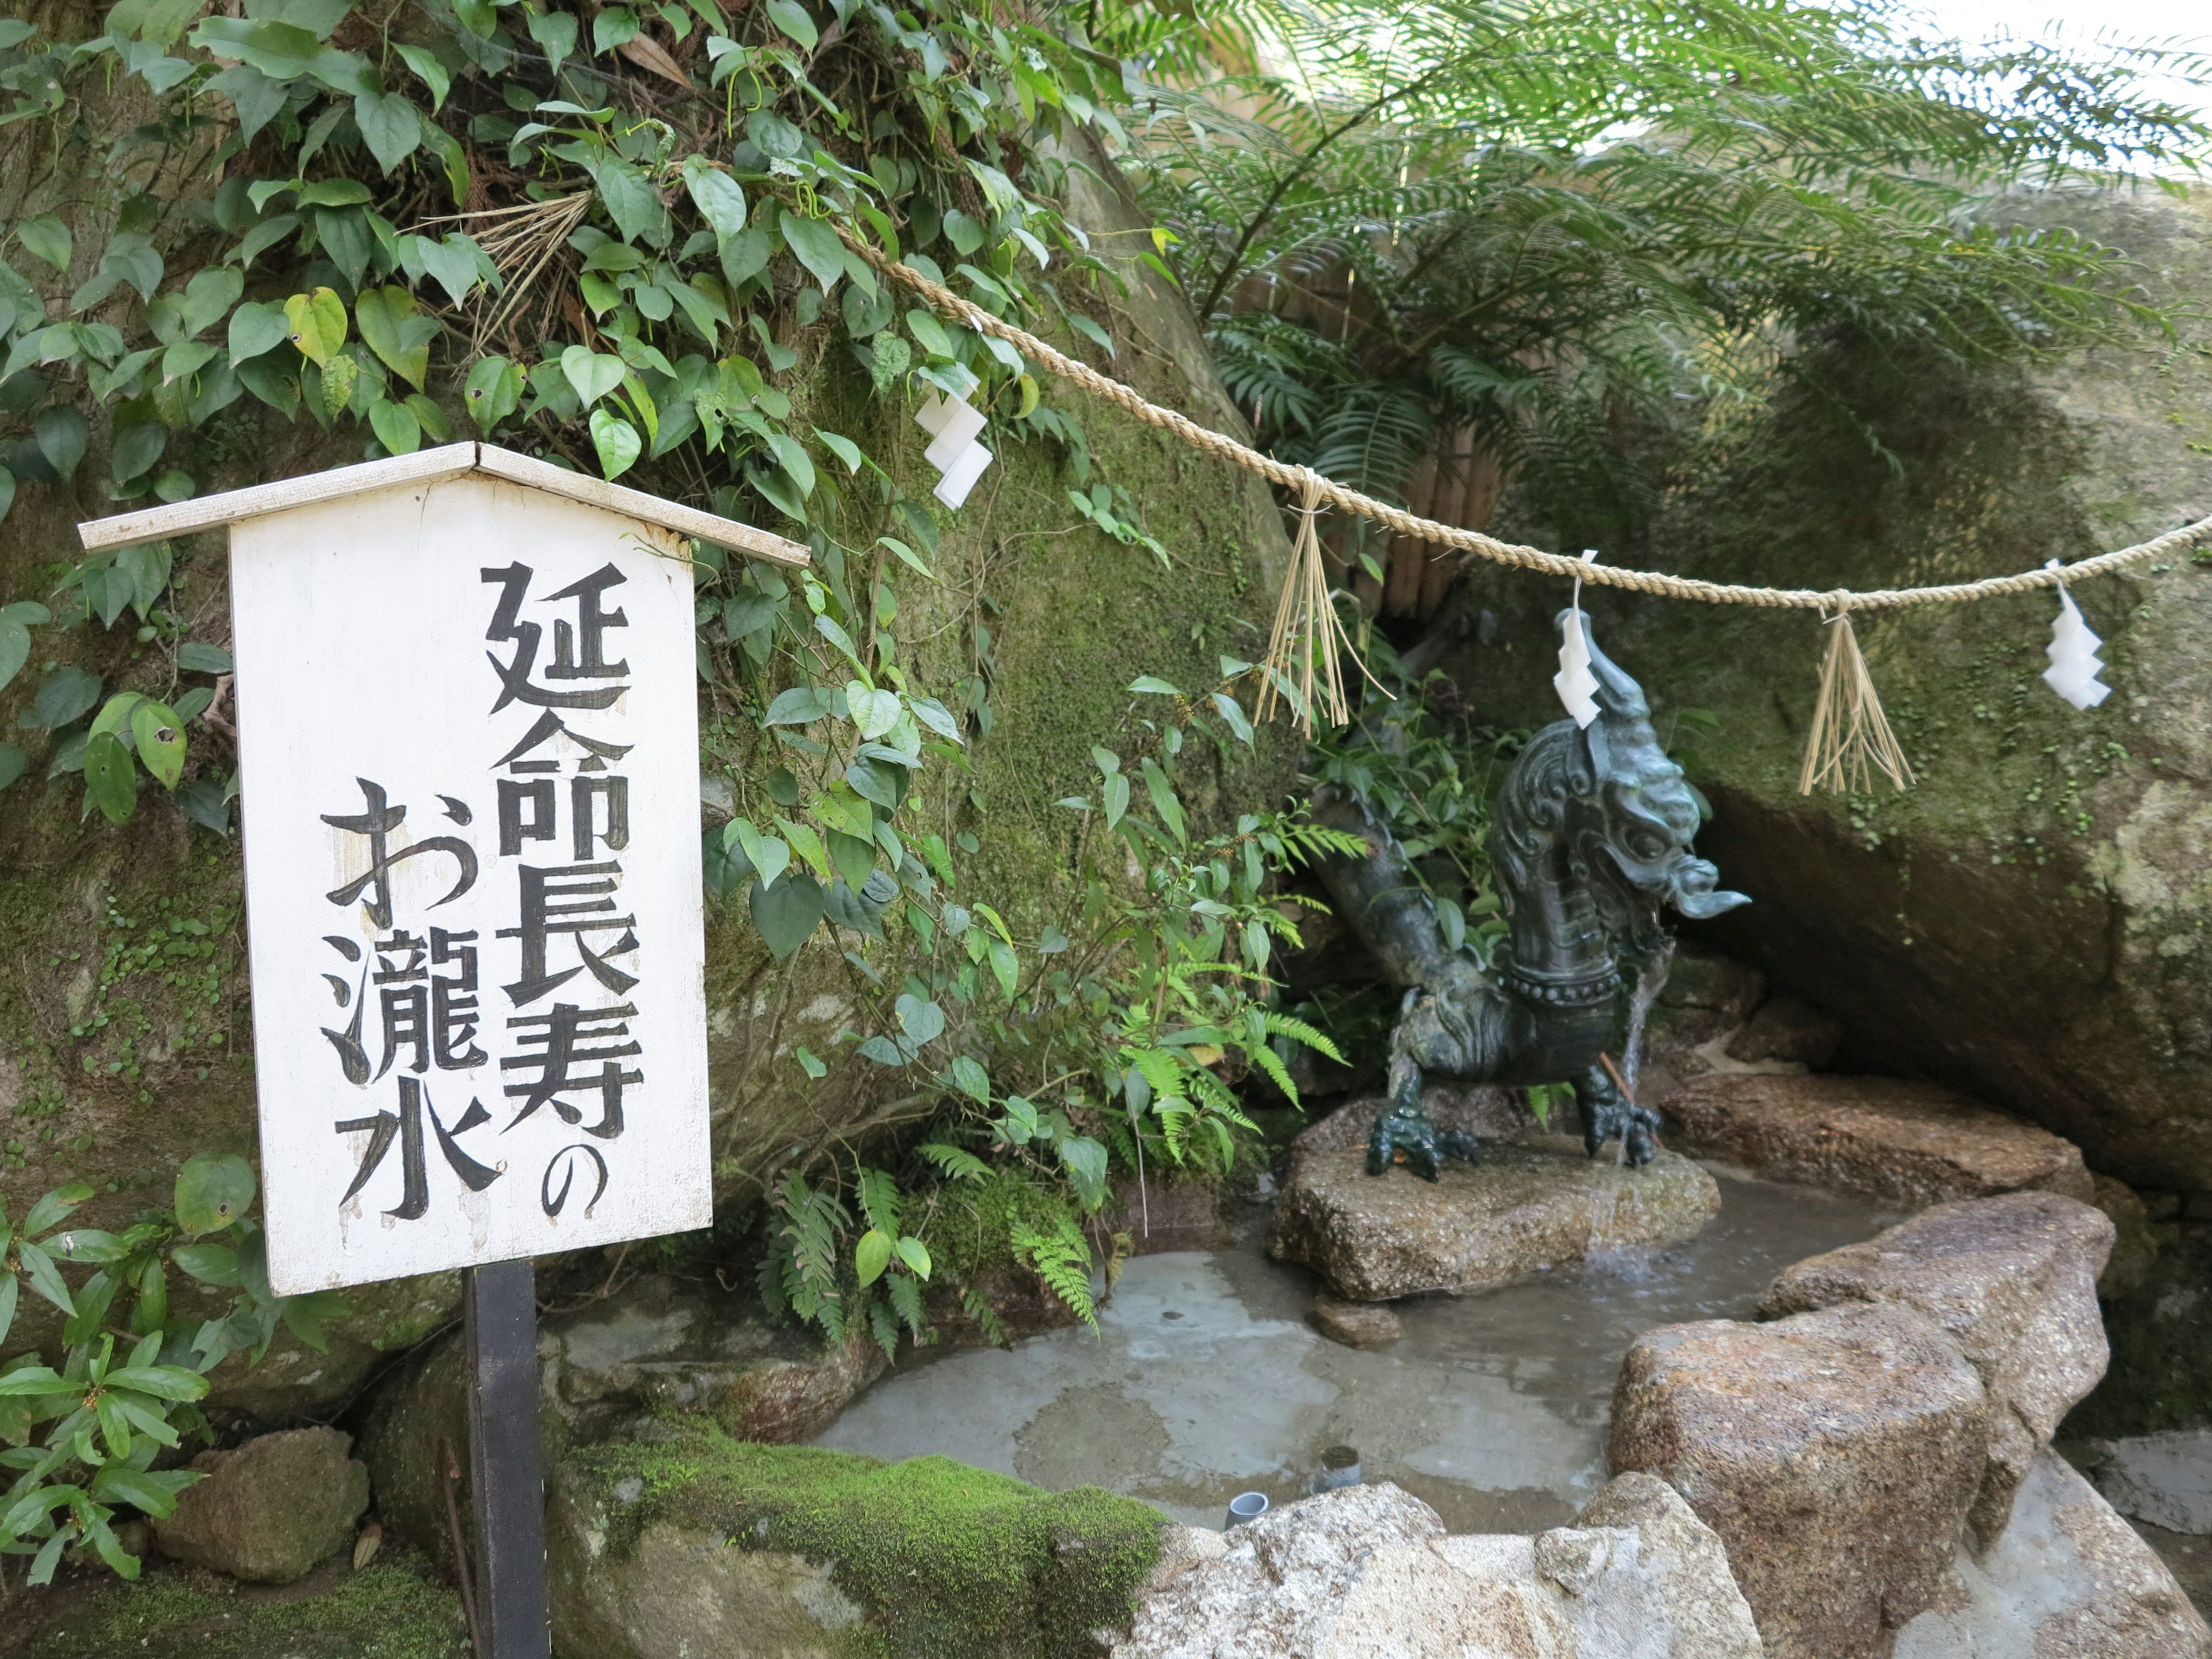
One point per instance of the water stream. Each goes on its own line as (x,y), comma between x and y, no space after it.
(1205,1380)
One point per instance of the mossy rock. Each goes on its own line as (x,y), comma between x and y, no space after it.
(696,1544)
(390,1609)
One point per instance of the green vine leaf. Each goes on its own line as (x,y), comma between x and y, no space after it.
(48,239)
(318,325)
(616,441)
(111,780)
(392,327)
(159,737)
(395,426)
(388,126)
(493,391)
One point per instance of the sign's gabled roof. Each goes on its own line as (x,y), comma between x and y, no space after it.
(449,461)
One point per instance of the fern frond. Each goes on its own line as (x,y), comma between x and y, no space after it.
(954,1162)
(1290,1025)
(1061,1259)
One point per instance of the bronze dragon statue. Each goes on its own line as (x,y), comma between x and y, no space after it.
(1589,837)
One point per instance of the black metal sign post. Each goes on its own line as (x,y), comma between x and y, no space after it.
(506,1467)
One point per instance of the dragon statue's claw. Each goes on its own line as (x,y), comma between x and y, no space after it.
(1406,1129)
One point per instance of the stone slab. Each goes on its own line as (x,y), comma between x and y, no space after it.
(1527,1206)
(1916,1142)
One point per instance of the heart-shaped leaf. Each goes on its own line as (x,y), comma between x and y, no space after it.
(874,712)
(452,263)
(338,377)
(387,123)
(592,374)
(137,446)
(717,195)
(494,390)
(318,322)
(46,238)
(391,329)
(817,247)
(396,426)
(791,17)
(617,442)
(110,781)
(212,1192)
(209,295)
(61,434)
(787,912)
(160,736)
(256,327)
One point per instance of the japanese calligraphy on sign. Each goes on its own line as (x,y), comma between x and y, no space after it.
(470,759)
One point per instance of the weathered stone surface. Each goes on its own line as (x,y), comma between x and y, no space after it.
(1835,1453)
(694,1545)
(1787,1030)
(2067,1579)
(271,1510)
(1355,1324)
(1916,1142)
(1368,1573)
(2164,1478)
(662,1343)
(1529,1206)
(2013,1281)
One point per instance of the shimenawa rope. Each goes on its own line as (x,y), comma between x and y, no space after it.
(1488,547)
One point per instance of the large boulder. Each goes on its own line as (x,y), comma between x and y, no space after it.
(268,1510)
(2067,1579)
(2013,1282)
(690,1545)
(2028,922)
(1369,1570)
(664,1344)
(1835,1454)
(1529,1206)
(1916,1142)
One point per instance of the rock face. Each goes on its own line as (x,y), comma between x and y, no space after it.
(1529,1206)
(2067,1579)
(1369,1570)
(1835,1453)
(1788,1029)
(2164,1478)
(2013,1282)
(694,1545)
(2028,922)
(272,1509)
(1916,1142)
(663,1344)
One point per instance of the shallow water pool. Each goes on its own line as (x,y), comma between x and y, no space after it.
(1204,1379)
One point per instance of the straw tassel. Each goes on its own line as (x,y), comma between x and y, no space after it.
(1850,739)
(1304,664)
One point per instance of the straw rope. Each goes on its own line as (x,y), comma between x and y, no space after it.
(1315,490)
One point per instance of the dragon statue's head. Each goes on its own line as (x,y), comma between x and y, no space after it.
(1638,809)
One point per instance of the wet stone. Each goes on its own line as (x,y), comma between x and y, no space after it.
(2165,1479)
(1529,1205)
(1355,1324)
(1916,1142)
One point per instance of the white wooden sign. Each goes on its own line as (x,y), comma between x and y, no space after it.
(469,795)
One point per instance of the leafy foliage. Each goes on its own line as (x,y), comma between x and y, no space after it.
(83,1439)
(1529,221)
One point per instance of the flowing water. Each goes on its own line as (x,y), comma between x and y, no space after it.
(1204,1379)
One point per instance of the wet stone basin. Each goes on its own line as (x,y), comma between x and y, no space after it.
(1205,1379)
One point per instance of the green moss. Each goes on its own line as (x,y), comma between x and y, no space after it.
(947,1559)
(389,1610)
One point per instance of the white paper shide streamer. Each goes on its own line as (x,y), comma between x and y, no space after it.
(1574,681)
(2074,664)
(953,427)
